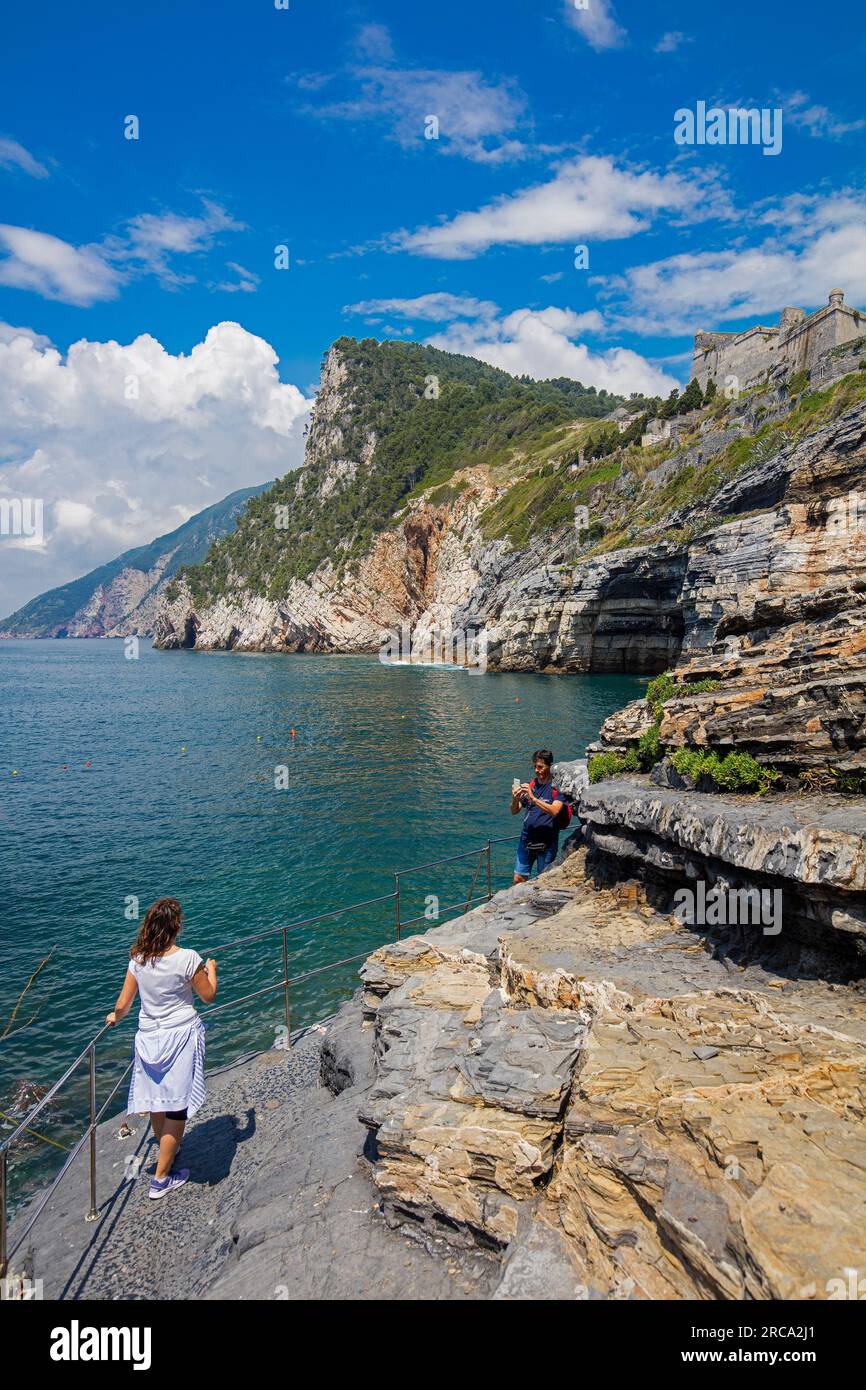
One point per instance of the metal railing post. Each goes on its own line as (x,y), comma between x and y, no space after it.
(92,1214)
(397,902)
(489,878)
(3,1196)
(286,990)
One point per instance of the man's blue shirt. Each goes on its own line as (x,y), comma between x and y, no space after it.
(537,824)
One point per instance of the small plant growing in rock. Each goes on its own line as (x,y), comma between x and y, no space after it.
(649,748)
(736,772)
(666,687)
(605,765)
(822,780)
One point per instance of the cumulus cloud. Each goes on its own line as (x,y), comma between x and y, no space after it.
(477,116)
(588,198)
(816,243)
(125,442)
(14,156)
(541,343)
(596,21)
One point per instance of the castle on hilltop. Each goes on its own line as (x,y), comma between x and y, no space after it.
(798,340)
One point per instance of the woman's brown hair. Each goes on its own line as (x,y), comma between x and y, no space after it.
(161,924)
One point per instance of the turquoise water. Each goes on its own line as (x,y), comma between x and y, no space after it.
(390,767)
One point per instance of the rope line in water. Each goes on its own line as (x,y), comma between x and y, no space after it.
(36,1134)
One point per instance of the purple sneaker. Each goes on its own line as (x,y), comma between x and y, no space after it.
(160,1187)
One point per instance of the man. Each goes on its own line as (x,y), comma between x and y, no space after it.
(539,839)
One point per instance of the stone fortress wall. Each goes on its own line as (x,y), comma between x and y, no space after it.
(797,340)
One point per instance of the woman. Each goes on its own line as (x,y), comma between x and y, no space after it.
(168,1070)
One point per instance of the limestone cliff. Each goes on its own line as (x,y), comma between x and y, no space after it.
(730,525)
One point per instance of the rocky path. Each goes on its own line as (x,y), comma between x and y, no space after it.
(275,1175)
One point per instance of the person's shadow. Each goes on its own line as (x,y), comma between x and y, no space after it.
(208,1149)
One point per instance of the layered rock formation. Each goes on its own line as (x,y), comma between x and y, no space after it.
(773,610)
(569,1070)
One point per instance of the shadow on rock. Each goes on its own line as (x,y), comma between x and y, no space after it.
(209,1149)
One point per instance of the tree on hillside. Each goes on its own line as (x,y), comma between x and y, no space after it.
(691,399)
(710,393)
(671,406)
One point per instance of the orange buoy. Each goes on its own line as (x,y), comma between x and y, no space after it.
(293,733)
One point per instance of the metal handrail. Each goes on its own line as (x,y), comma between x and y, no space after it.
(89,1052)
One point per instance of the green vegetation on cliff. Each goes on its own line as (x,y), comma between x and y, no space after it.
(427,413)
(634,493)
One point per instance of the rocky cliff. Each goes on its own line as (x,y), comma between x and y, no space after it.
(728,525)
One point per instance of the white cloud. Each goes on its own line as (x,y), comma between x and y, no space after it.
(597,22)
(670,42)
(588,198)
(116,472)
(817,243)
(84,275)
(818,120)
(434,308)
(540,343)
(477,116)
(152,237)
(7,333)
(247,280)
(14,156)
(373,41)
(51,267)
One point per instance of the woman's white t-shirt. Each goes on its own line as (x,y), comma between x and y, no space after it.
(165,989)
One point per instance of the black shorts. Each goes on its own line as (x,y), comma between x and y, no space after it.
(176,1114)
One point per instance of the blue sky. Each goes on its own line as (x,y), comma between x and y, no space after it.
(305,127)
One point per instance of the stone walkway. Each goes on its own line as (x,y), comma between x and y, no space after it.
(273,1161)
